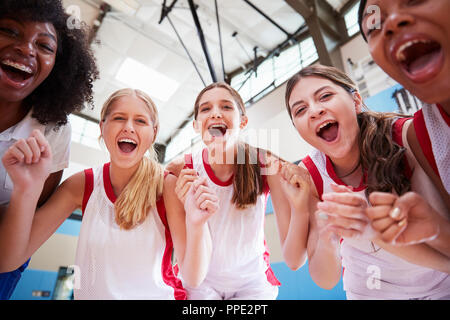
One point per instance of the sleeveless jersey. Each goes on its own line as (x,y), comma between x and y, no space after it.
(112,263)
(370,271)
(239,255)
(432,126)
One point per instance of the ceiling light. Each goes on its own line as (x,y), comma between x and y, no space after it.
(139,76)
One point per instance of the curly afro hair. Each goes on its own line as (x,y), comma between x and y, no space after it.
(69,85)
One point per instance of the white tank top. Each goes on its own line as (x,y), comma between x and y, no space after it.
(112,263)
(239,252)
(371,272)
(432,126)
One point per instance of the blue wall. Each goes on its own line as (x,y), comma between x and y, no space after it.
(383,101)
(295,285)
(35,280)
(298,285)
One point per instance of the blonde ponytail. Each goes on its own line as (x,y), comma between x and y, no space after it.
(140,194)
(146,185)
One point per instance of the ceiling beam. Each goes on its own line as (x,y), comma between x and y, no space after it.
(323,22)
(268,18)
(347,6)
(202,40)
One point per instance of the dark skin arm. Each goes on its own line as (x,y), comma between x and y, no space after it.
(50,186)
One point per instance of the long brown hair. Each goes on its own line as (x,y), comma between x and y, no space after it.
(380,156)
(248,181)
(146,185)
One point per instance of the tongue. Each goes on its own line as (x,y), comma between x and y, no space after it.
(15,75)
(215,132)
(126,147)
(329,133)
(420,63)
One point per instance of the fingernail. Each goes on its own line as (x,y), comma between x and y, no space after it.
(402,223)
(395,214)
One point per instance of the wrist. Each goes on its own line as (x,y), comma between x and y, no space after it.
(439,224)
(329,238)
(195,226)
(29,192)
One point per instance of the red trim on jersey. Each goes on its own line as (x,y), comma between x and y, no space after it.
(270,275)
(269,272)
(211,174)
(167,270)
(335,178)
(188,161)
(88,188)
(314,172)
(107,183)
(424,140)
(266,188)
(397,136)
(444,115)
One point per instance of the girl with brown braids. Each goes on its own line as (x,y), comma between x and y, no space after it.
(356,155)
(46,73)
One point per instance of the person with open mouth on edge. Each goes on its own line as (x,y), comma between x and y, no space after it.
(354,156)
(242,177)
(410,41)
(125,244)
(46,73)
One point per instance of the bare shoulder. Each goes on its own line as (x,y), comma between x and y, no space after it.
(175,166)
(74,187)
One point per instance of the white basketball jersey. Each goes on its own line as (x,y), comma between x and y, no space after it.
(432,126)
(122,264)
(371,272)
(239,252)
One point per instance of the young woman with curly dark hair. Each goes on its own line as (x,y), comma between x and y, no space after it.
(46,72)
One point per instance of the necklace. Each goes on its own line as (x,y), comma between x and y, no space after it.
(357,166)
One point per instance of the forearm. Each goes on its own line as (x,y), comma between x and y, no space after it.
(325,265)
(294,246)
(442,241)
(15,228)
(420,254)
(197,256)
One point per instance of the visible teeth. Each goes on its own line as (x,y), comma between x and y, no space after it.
(400,55)
(18,66)
(217,126)
(323,125)
(127,140)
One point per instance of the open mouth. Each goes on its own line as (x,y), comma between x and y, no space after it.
(328,130)
(420,58)
(217,130)
(127,145)
(16,72)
